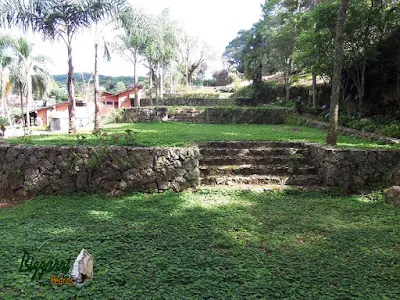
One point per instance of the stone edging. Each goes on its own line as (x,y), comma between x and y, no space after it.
(349,131)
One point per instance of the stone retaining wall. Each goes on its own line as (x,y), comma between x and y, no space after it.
(354,169)
(248,115)
(143,114)
(214,115)
(188,102)
(27,171)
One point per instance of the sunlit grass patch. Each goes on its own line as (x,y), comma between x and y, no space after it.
(174,134)
(295,244)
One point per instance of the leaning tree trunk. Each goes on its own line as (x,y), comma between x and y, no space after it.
(314,90)
(71,92)
(331,138)
(96,88)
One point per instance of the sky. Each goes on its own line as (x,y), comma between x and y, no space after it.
(215,21)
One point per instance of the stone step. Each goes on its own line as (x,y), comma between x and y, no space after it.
(260,151)
(296,180)
(259,170)
(251,160)
(252,144)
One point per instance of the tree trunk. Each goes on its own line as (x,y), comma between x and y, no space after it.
(331,138)
(136,102)
(187,74)
(28,102)
(161,84)
(22,107)
(1,95)
(362,87)
(7,111)
(71,92)
(97,116)
(151,86)
(287,80)
(157,82)
(314,90)
(171,83)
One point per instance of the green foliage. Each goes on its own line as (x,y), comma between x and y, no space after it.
(293,121)
(257,93)
(283,245)
(392,130)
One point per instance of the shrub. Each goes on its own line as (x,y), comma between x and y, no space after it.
(293,121)
(392,130)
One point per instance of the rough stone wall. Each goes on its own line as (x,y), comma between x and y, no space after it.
(220,115)
(354,169)
(189,102)
(29,171)
(143,114)
(215,115)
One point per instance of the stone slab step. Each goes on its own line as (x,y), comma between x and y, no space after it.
(261,188)
(252,144)
(298,180)
(260,151)
(251,160)
(257,170)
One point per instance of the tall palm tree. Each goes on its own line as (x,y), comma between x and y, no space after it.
(28,73)
(58,20)
(32,71)
(5,61)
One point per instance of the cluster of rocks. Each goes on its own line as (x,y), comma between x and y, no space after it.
(27,171)
(392,194)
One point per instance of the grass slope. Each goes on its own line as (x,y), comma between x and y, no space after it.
(202,245)
(182,134)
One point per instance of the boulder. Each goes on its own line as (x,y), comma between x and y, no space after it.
(392,195)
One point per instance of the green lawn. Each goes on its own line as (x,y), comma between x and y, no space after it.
(181,134)
(208,245)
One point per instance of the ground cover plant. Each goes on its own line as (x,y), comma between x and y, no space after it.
(220,244)
(183,134)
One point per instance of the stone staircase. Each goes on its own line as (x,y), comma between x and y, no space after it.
(186,114)
(248,164)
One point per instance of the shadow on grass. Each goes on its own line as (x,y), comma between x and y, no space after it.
(208,244)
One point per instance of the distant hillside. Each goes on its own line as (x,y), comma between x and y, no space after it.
(107,81)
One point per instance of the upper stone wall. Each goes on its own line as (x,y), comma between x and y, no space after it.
(188,102)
